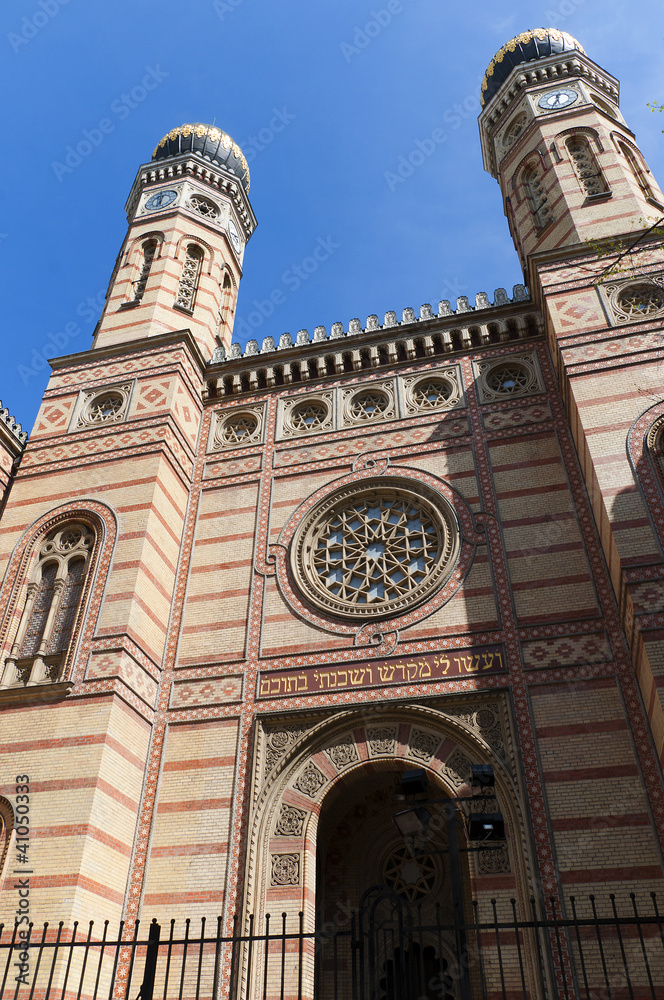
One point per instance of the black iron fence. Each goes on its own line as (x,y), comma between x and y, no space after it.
(600,949)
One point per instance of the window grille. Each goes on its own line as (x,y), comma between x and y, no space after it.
(585,166)
(191,271)
(149,251)
(533,180)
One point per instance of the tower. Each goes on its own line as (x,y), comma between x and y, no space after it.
(245,590)
(584,209)
(181,262)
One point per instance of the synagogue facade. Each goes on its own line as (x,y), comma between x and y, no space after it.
(244,590)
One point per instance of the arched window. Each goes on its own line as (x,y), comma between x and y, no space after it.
(149,250)
(585,166)
(191,270)
(533,182)
(225,308)
(53,599)
(636,168)
(6,828)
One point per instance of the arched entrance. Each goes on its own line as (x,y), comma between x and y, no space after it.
(322,846)
(384,908)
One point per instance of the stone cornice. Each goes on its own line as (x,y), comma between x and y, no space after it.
(161,340)
(11,432)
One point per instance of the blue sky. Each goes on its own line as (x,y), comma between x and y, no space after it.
(324,111)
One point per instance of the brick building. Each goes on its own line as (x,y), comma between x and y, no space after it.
(244,590)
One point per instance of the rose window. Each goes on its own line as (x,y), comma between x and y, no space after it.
(412,877)
(239,429)
(641,300)
(107,406)
(203,206)
(368,405)
(508,379)
(309,416)
(375,550)
(431,393)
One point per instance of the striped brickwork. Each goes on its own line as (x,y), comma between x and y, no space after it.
(612,379)
(216,743)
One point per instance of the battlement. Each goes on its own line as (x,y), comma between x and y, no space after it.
(408,317)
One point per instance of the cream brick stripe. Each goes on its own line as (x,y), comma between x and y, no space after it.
(87,830)
(52,745)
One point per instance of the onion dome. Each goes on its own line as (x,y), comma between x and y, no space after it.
(207,143)
(526,47)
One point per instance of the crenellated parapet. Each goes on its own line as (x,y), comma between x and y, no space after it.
(12,444)
(353,349)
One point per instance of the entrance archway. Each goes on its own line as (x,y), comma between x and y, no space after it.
(384,909)
(311,775)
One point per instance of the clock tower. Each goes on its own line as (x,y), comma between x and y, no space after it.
(181,262)
(553,136)
(585,214)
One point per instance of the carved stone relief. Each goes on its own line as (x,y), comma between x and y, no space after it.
(342,755)
(290,822)
(422,744)
(310,781)
(382,741)
(285,869)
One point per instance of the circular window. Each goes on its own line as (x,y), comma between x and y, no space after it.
(640,300)
(240,428)
(430,393)
(309,416)
(508,379)
(369,404)
(412,877)
(375,549)
(203,206)
(106,406)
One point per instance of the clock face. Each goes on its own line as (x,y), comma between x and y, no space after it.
(233,233)
(557,99)
(162,199)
